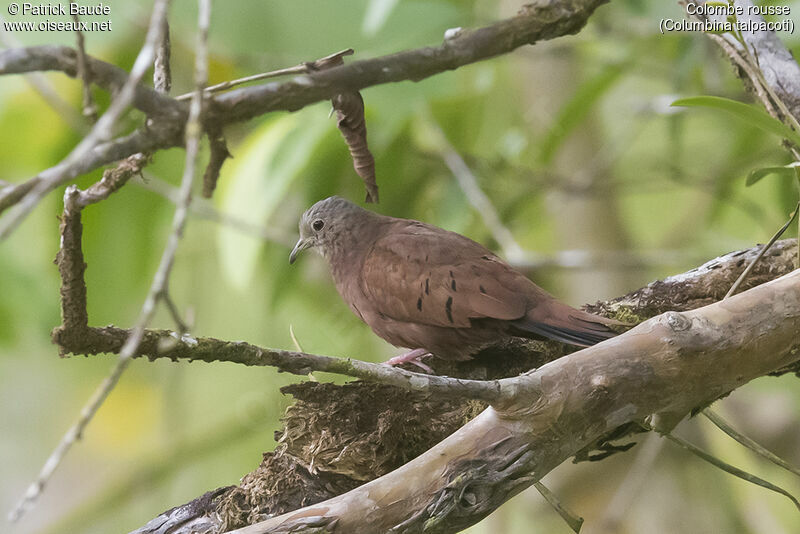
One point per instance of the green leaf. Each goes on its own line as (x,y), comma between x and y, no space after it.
(256,182)
(757,174)
(749,114)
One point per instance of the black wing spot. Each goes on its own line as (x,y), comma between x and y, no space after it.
(427,287)
(419,304)
(448,308)
(451,274)
(482,289)
(453,284)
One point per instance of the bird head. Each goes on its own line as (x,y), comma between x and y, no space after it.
(322,223)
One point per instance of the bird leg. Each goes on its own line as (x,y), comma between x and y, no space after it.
(413,357)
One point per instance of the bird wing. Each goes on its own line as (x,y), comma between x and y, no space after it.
(423,274)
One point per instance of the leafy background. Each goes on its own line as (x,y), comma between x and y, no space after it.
(573,141)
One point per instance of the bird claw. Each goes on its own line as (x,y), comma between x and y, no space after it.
(412,357)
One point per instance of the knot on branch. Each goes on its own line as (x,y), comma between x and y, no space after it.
(677,321)
(475,487)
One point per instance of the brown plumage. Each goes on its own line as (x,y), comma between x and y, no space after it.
(422,287)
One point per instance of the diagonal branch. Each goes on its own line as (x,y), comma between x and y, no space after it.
(101,131)
(105,75)
(534,22)
(338,437)
(75,201)
(659,367)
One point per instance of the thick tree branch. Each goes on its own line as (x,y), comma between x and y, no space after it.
(662,366)
(535,22)
(142,140)
(100,132)
(104,75)
(337,437)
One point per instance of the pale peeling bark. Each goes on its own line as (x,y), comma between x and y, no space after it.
(337,437)
(665,366)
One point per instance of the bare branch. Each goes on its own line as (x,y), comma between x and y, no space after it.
(89,107)
(625,379)
(532,24)
(302,68)
(105,75)
(204,209)
(44,88)
(761,253)
(142,140)
(112,181)
(535,22)
(101,131)
(71,265)
(162,72)
(167,344)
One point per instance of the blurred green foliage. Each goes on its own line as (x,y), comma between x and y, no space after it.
(573,141)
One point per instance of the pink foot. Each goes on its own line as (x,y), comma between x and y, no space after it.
(412,357)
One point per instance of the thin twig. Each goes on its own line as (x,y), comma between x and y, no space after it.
(204,209)
(181,326)
(723,425)
(761,253)
(533,23)
(102,129)
(168,344)
(148,309)
(570,518)
(302,68)
(113,179)
(89,107)
(735,471)
(162,72)
(741,62)
(44,88)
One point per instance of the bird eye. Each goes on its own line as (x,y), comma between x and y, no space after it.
(317,225)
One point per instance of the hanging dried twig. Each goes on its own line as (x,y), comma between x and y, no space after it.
(350,120)
(219,153)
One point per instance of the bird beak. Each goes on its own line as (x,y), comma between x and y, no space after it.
(301,245)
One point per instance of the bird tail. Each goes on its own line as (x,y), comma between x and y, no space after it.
(565,324)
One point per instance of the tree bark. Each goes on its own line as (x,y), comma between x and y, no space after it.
(338,437)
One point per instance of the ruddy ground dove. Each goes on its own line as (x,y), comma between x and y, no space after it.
(431,290)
